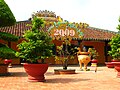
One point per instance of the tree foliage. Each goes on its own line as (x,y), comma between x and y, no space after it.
(38,45)
(6,19)
(8,37)
(115,45)
(6,52)
(6,16)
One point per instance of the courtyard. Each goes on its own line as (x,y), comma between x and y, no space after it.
(104,79)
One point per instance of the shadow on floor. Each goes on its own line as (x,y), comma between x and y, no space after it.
(18,74)
(64,80)
(14,74)
(52,73)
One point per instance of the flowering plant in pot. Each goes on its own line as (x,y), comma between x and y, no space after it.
(35,49)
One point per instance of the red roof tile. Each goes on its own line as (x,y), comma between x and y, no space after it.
(90,33)
(17,29)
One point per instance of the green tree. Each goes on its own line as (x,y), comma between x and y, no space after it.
(6,16)
(38,44)
(115,45)
(6,19)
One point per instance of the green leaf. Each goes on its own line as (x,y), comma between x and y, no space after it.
(6,52)
(6,16)
(8,37)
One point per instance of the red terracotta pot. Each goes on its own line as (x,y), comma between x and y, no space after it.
(7,61)
(36,71)
(94,61)
(109,64)
(114,60)
(117,67)
(3,69)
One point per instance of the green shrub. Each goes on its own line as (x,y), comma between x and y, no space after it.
(6,52)
(115,45)
(8,37)
(6,16)
(38,45)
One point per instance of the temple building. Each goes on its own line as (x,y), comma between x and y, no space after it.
(92,37)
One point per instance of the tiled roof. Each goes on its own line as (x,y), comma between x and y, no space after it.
(17,29)
(90,33)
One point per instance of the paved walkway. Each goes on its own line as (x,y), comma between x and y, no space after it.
(104,79)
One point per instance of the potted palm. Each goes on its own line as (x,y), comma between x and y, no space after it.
(35,49)
(115,50)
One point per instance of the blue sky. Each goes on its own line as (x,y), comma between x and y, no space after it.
(102,14)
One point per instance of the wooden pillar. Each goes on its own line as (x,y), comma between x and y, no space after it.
(106,51)
(79,42)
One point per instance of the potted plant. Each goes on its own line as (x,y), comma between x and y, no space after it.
(114,44)
(35,49)
(6,54)
(65,52)
(6,19)
(115,50)
(113,53)
(94,55)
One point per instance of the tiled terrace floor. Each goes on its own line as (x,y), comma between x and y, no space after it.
(104,79)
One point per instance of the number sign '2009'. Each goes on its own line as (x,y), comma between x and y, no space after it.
(65,32)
